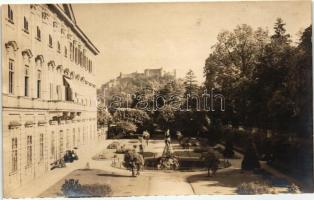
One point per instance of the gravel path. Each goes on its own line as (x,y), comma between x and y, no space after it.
(157,182)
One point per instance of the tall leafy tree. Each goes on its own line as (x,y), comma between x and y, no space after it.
(230,67)
(299,84)
(269,90)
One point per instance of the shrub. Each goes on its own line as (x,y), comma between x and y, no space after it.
(293,188)
(185,154)
(102,156)
(148,154)
(187,145)
(168,163)
(194,142)
(113,145)
(189,142)
(136,116)
(228,151)
(211,160)
(121,149)
(97,190)
(126,128)
(131,157)
(103,116)
(200,149)
(254,188)
(72,188)
(203,141)
(250,160)
(184,140)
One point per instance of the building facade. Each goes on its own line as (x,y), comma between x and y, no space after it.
(153,72)
(48,89)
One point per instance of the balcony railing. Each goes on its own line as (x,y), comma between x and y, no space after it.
(33,103)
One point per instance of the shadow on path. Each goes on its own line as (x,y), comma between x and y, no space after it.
(227,178)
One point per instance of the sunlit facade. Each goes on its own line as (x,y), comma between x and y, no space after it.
(48,89)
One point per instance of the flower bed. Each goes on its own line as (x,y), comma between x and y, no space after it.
(72,188)
(255,188)
(184,164)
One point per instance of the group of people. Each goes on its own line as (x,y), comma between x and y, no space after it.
(69,156)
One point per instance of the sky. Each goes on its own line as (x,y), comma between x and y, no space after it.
(133,37)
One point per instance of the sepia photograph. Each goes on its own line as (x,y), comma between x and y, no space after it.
(157,98)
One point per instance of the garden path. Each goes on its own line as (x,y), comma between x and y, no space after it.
(152,182)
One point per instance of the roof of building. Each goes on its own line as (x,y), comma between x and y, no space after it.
(69,11)
(158,69)
(65,12)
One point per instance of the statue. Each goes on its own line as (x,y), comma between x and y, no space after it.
(168,160)
(167,150)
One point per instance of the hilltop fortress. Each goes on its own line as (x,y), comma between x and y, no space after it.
(148,73)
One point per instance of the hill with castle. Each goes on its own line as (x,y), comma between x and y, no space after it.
(129,84)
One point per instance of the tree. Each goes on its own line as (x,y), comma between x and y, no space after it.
(191,91)
(135,116)
(269,89)
(190,83)
(133,161)
(230,67)
(134,91)
(238,49)
(250,160)
(173,93)
(126,128)
(267,84)
(211,160)
(299,84)
(103,116)
(280,36)
(166,117)
(228,151)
